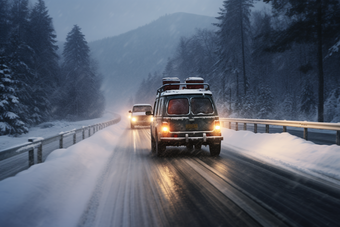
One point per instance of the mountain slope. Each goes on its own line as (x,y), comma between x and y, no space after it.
(126,59)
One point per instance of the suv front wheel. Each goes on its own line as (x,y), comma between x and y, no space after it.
(215,149)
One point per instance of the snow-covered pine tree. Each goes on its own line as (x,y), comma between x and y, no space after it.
(45,60)
(313,22)
(308,102)
(4,23)
(262,60)
(233,40)
(170,69)
(81,91)
(332,106)
(264,102)
(10,122)
(19,17)
(19,55)
(248,110)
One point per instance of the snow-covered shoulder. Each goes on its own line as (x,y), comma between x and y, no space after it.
(58,189)
(52,128)
(288,151)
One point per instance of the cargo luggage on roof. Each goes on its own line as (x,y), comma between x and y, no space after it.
(195,80)
(171,80)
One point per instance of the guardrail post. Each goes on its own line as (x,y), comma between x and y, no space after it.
(61,141)
(31,157)
(245,126)
(236,126)
(83,134)
(89,131)
(255,128)
(267,128)
(305,133)
(338,137)
(229,125)
(39,153)
(284,128)
(74,137)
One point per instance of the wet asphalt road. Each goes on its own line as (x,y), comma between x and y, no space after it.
(186,188)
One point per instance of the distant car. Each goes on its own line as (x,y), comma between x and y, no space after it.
(185,114)
(141,115)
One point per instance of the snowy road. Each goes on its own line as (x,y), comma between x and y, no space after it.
(112,179)
(184,189)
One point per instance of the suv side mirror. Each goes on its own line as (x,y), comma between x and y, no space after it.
(148,113)
(130,111)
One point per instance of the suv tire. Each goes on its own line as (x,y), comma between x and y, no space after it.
(160,148)
(215,149)
(132,126)
(153,145)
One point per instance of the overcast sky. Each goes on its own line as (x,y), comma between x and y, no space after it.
(105,18)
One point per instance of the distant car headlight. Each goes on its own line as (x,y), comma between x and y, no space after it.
(134,119)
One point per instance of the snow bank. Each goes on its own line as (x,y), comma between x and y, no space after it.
(48,129)
(288,151)
(54,193)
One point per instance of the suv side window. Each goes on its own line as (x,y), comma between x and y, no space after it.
(155,107)
(160,106)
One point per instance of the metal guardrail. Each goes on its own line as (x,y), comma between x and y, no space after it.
(39,143)
(296,124)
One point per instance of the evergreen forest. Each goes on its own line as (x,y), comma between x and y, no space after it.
(281,62)
(35,86)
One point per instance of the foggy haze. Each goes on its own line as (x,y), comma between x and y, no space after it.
(106,18)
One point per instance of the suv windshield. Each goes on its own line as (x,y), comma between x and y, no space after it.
(201,106)
(141,108)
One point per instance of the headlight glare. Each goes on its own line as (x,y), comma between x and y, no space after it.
(165,127)
(217,125)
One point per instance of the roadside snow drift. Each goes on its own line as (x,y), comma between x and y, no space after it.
(55,192)
(287,150)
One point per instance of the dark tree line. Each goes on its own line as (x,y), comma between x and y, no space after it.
(33,86)
(281,64)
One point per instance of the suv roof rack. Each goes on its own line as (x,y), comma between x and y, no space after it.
(183,86)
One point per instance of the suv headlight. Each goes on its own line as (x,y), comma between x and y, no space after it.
(134,119)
